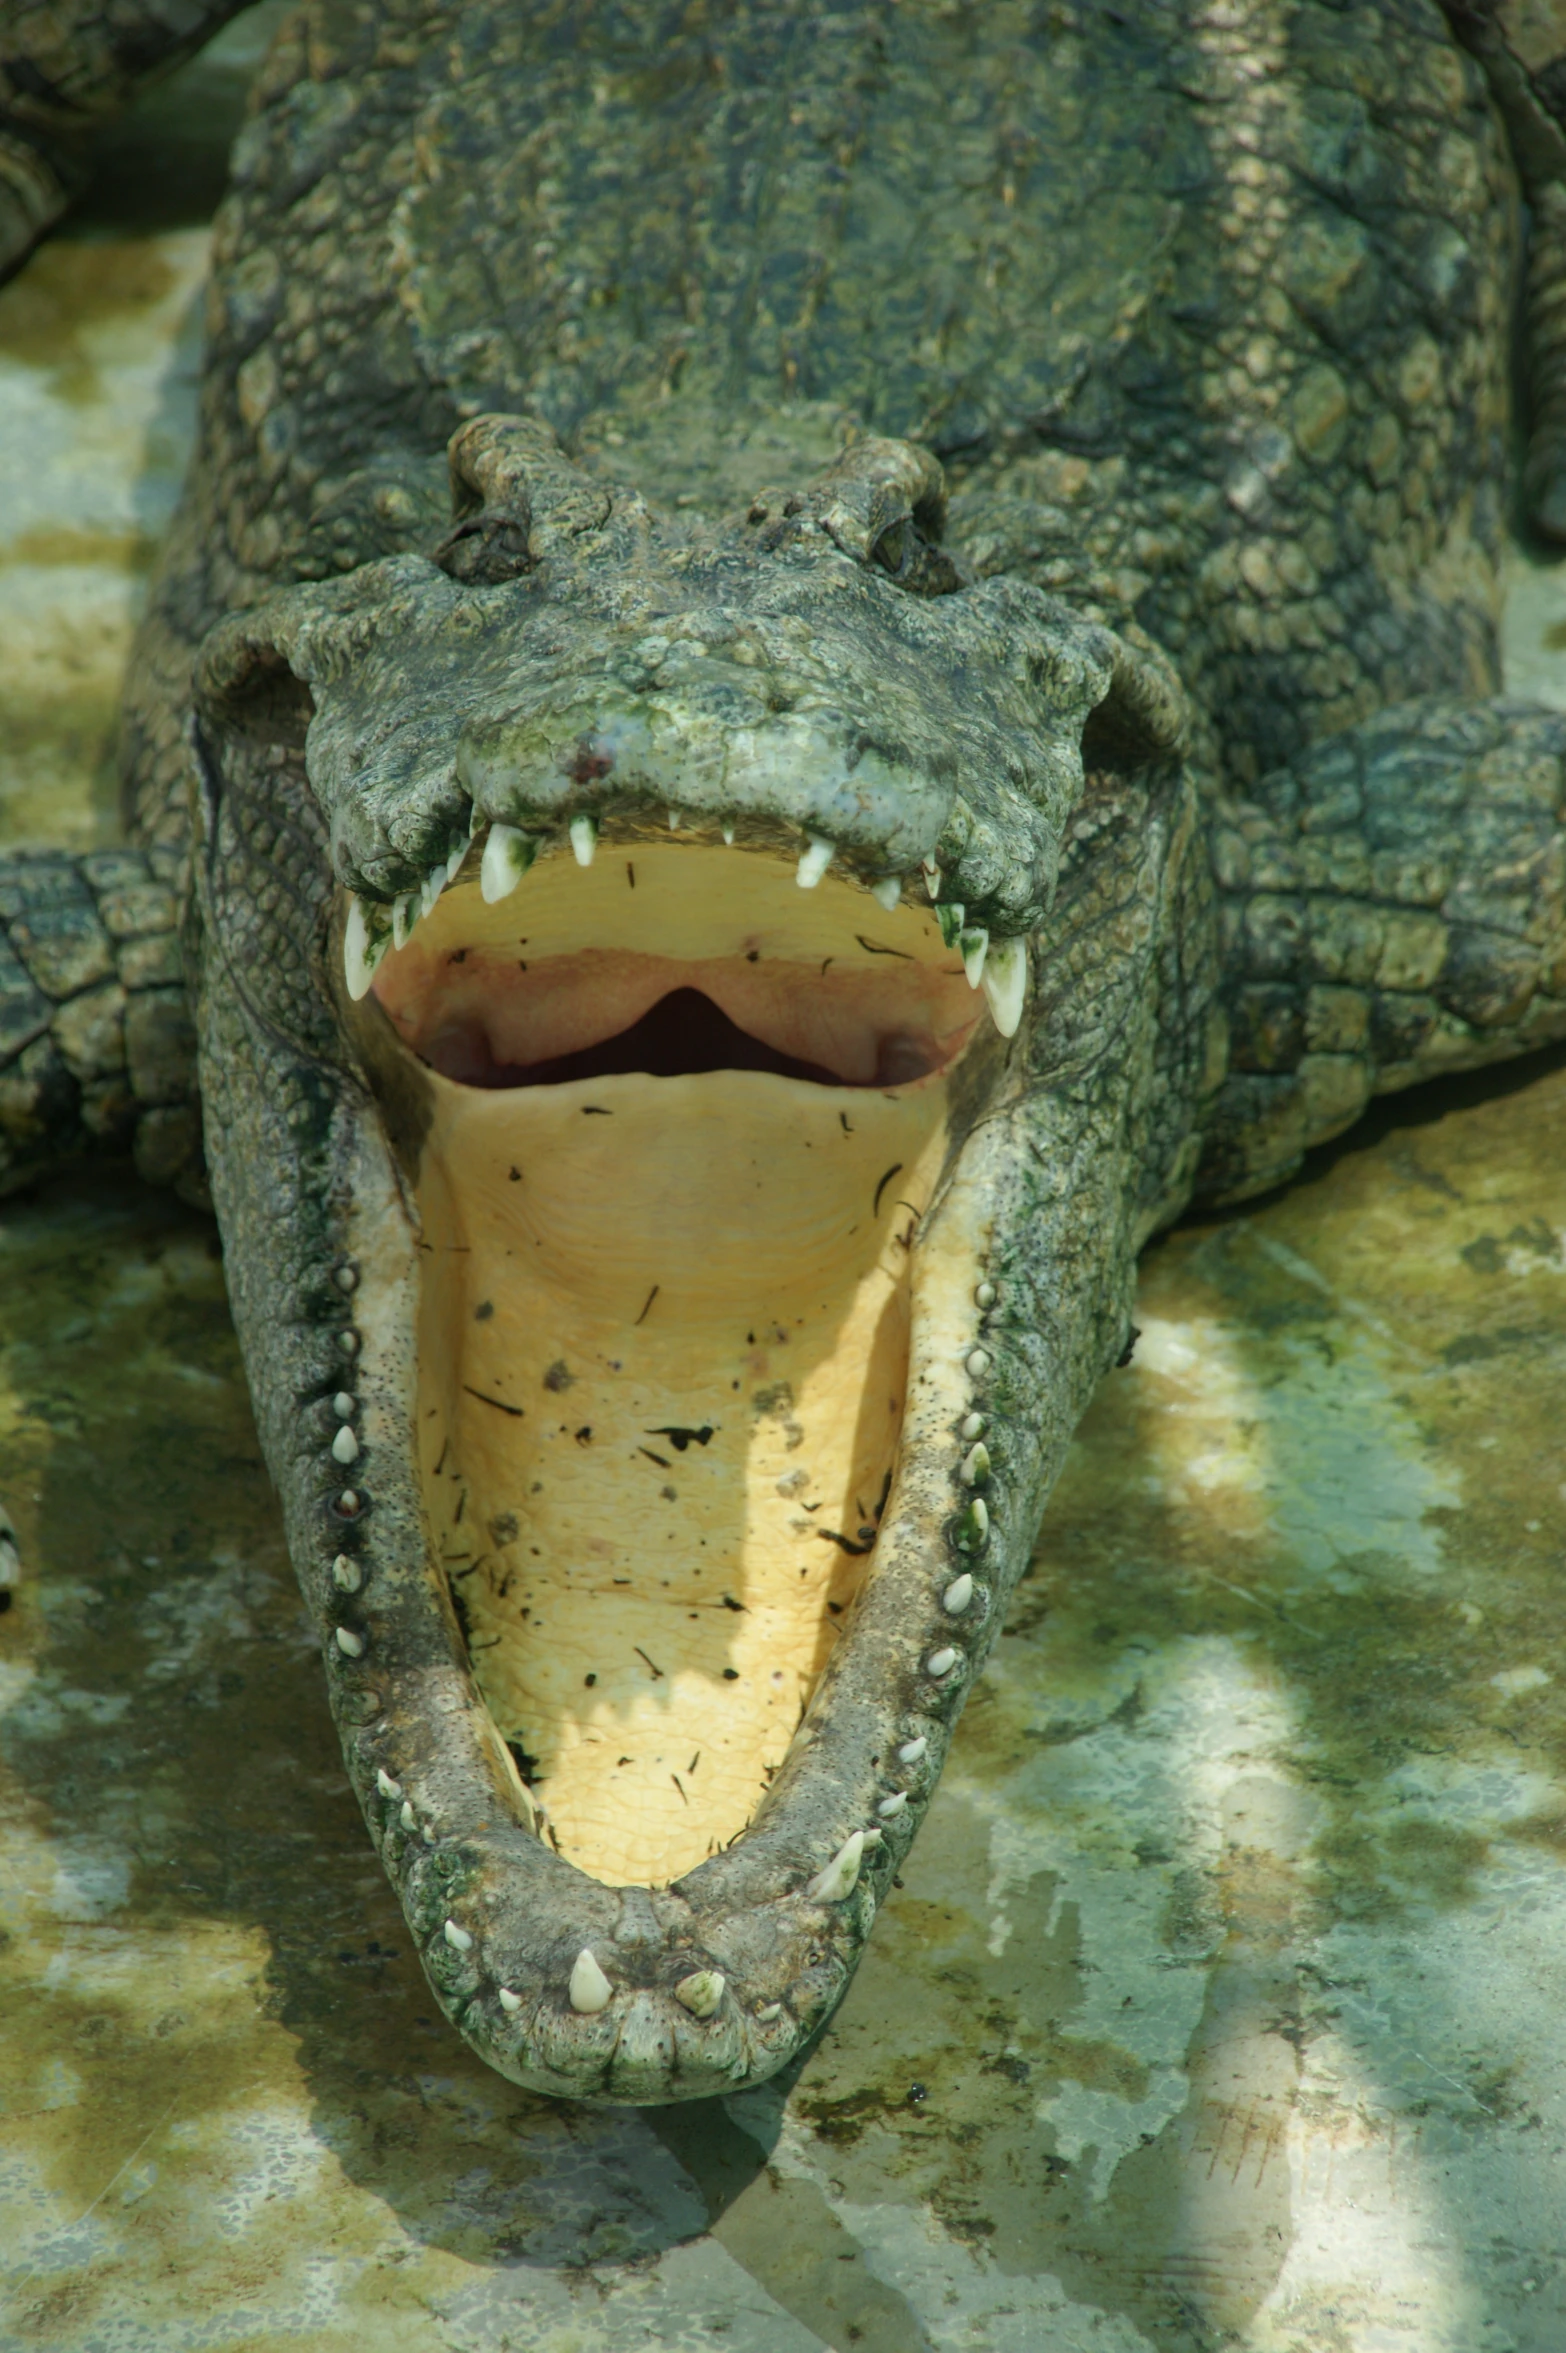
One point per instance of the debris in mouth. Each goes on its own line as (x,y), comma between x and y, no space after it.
(714,1264)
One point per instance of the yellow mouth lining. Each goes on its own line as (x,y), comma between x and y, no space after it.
(663,1352)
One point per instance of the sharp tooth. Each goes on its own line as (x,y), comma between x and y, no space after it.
(508,854)
(887,891)
(365,942)
(976,1469)
(973,1425)
(912,1750)
(385,1784)
(430,889)
(459,1939)
(590,1988)
(345,1446)
(841,1875)
(701,1993)
(958,1594)
(509,2001)
(347,1575)
(728,835)
(932,878)
(974,944)
(973,1526)
(1006,984)
(584,839)
(890,1807)
(814,861)
(459,851)
(405,914)
(949,915)
(674,820)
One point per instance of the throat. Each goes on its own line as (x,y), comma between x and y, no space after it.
(663,1347)
(681,1036)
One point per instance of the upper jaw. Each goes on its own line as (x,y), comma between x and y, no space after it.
(772,675)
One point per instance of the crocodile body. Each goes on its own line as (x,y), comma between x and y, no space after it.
(1047,462)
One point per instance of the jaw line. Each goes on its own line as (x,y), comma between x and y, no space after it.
(783,1913)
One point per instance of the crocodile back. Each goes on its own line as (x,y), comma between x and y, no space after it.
(1204,309)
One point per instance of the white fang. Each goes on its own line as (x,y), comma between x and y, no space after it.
(1005,983)
(503,864)
(701,1993)
(841,1875)
(361,954)
(590,1988)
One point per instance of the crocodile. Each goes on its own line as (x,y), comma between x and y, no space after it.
(818,663)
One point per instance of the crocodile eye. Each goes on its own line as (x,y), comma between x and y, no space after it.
(891,550)
(486,548)
(907,557)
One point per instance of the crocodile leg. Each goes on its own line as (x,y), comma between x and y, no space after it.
(97,1054)
(67,68)
(1394,908)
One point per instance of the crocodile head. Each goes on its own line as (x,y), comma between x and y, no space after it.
(680,1167)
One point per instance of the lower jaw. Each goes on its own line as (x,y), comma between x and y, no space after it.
(778,1915)
(664,1349)
(502,1921)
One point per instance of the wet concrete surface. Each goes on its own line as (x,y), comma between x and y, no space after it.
(1224,2000)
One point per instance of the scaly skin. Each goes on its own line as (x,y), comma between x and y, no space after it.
(96,1047)
(1179,666)
(64,73)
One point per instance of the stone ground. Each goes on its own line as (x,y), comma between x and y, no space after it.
(1224,2005)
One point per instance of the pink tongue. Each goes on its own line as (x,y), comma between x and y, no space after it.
(484,1021)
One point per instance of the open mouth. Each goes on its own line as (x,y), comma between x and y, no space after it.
(678,1122)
